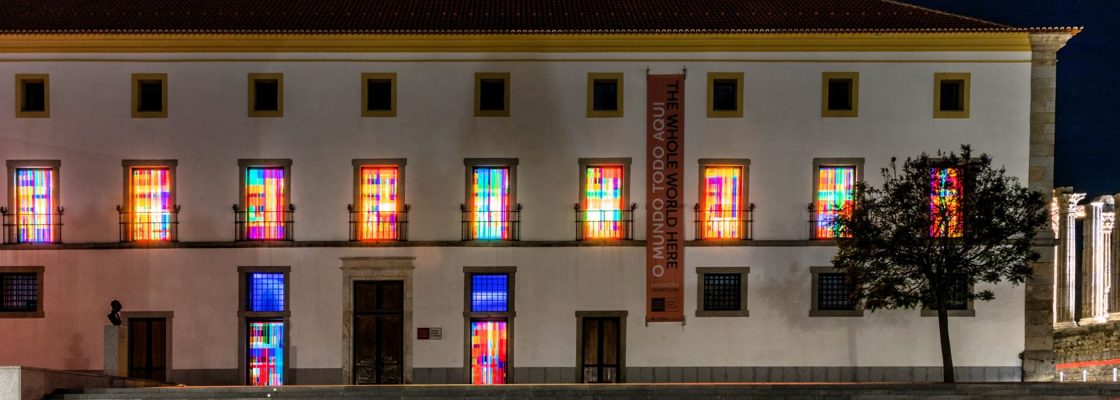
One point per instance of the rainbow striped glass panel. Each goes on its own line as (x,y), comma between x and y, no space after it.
(488,352)
(265,202)
(491,203)
(944,202)
(35,203)
(835,188)
(151,203)
(722,213)
(603,203)
(378,203)
(266,353)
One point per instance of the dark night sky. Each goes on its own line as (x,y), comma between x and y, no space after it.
(1088,107)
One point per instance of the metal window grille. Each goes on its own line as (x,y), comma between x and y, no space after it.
(722,292)
(490,293)
(266,291)
(19,292)
(958,295)
(833,292)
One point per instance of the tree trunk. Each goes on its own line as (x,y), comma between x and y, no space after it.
(946,349)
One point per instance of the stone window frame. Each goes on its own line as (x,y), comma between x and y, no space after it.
(478,78)
(819,162)
(738,78)
(137,80)
(619,80)
(621,315)
(585,163)
(20,79)
(743,273)
(744,201)
(279,111)
(40,298)
(853,95)
(56,192)
(966,93)
(244,316)
(127,166)
(969,311)
(468,182)
(814,304)
(509,316)
(379,76)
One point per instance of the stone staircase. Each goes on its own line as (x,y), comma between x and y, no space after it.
(860,391)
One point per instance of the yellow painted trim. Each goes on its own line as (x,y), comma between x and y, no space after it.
(475,60)
(534,43)
(136,80)
(966,93)
(392,78)
(478,77)
(738,111)
(854,94)
(279,112)
(603,76)
(46,113)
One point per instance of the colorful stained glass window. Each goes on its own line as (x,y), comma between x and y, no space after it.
(723,198)
(266,353)
(489,293)
(488,352)
(265,203)
(151,203)
(602,203)
(835,188)
(35,202)
(944,202)
(266,291)
(491,203)
(378,203)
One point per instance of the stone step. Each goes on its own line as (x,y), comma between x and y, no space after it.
(621,391)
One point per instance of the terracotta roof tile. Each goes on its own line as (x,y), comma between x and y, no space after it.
(481,16)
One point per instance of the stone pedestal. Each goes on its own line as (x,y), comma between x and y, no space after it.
(111,360)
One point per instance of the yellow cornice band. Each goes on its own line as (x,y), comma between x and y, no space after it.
(531,43)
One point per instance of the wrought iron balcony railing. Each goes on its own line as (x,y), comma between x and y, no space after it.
(491,225)
(733,224)
(263,225)
(378,225)
(32,228)
(821,223)
(142,226)
(605,224)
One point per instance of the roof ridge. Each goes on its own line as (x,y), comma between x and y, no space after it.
(942,12)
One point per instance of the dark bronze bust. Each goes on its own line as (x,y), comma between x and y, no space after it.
(114,314)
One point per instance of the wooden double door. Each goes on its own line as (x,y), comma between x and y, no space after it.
(378,324)
(147,348)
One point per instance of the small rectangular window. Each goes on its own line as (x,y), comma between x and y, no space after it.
(605,93)
(725,95)
(266,292)
(489,293)
(33,96)
(492,94)
(19,292)
(958,302)
(266,95)
(831,295)
(149,95)
(840,94)
(951,95)
(379,95)
(722,291)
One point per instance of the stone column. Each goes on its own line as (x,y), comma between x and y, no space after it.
(1038,354)
(1114,270)
(1095,260)
(1065,259)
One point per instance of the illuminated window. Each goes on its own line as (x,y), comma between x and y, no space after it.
(21,291)
(379,95)
(725,94)
(722,213)
(951,97)
(833,193)
(604,95)
(33,96)
(489,313)
(35,215)
(944,202)
(149,212)
(265,213)
(603,212)
(265,322)
(491,212)
(149,95)
(379,214)
(266,95)
(840,94)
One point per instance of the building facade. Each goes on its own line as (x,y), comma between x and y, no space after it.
(436,200)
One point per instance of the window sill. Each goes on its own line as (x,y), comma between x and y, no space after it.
(705,313)
(952,313)
(21,314)
(836,313)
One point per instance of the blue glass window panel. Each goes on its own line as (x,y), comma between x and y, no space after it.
(266,291)
(490,293)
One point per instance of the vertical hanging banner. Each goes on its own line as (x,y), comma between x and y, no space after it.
(665,198)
